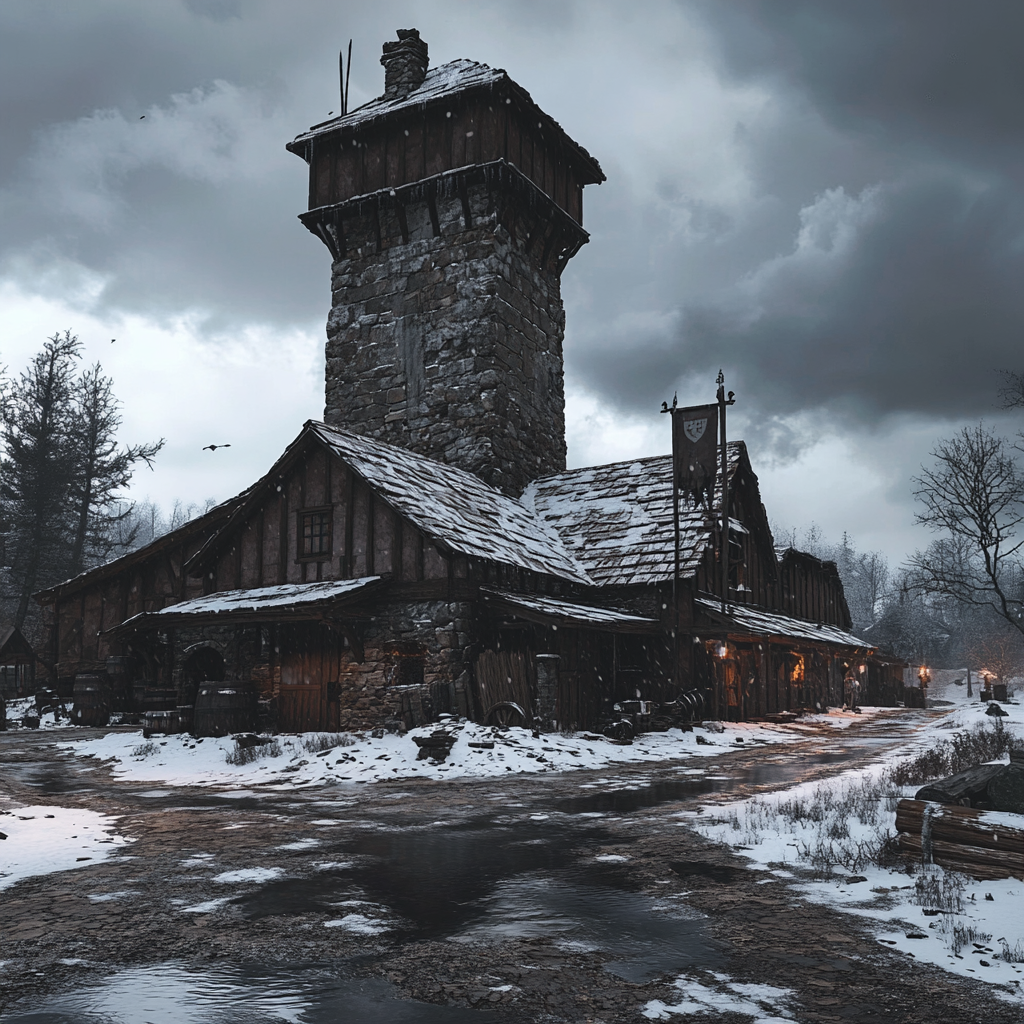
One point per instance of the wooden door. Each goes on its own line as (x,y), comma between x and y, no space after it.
(310,664)
(505,676)
(300,707)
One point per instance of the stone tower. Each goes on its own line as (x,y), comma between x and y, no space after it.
(450,206)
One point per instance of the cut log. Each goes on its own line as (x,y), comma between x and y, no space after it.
(963,859)
(962,824)
(979,843)
(964,788)
(1006,790)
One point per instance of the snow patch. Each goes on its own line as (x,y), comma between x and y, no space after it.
(43,839)
(360,924)
(765,1004)
(248,875)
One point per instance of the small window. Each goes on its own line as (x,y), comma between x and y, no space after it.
(315,535)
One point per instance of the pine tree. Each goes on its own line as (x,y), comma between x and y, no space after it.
(38,469)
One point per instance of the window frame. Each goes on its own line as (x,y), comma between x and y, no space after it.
(300,533)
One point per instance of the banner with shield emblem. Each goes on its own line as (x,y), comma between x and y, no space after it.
(695,452)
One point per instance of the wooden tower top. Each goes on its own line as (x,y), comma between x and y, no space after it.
(428,122)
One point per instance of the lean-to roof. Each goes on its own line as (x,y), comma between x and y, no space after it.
(745,621)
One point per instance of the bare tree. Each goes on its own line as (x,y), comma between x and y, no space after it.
(974,497)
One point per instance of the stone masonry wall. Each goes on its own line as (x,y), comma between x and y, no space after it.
(449,344)
(436,633)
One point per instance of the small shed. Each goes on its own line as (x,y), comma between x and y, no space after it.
(17,664)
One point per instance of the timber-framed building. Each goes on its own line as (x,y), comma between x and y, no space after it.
(424,549)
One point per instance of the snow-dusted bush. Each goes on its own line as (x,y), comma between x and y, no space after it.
(317,741)
(252,752)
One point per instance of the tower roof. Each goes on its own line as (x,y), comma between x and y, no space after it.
(455,80)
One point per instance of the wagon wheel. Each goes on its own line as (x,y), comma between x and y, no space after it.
(505,713)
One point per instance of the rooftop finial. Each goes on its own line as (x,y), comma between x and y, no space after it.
(405,64)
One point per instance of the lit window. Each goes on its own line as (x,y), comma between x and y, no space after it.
(315,538)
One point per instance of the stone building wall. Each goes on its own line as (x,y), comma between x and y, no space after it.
(450,343)
(433,639)
(437,634)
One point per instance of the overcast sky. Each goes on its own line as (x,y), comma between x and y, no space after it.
(824,198)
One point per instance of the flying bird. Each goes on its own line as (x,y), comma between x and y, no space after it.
(112,340)
(214,447)
(143,118)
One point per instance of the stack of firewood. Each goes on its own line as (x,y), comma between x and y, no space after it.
(971,822)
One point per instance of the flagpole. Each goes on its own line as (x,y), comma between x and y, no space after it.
(675,530)
(723,402)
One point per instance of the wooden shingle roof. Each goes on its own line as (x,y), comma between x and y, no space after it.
(616,520)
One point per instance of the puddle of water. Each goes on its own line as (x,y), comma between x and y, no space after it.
(172,994)
(645,942)
(434,880)
(488,882)
(47,777)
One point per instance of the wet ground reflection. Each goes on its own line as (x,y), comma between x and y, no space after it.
(171,993)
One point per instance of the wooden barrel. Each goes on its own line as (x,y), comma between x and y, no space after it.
(223,708)
(163,722)
(92,701)
(155,698)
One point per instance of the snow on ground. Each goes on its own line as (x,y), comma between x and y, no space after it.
(766,1004)
(249,875)
(836,718)
(966,926)
(950,684)
(44,839)
(360,924)
(17,709)
(180,760)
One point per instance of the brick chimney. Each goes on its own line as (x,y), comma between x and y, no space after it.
(405,64)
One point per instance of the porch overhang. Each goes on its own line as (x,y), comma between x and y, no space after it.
(331,600)
(743,623)
(550,611)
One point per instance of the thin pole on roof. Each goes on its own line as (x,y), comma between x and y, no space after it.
(344,73)
(348,73)
(723,402)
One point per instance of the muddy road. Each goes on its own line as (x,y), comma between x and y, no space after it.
(569,897)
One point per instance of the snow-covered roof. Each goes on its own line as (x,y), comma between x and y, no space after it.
(570,613)
(446,80)
(442,82)
(616,520)
(455,507)
(748,620)
(236,604)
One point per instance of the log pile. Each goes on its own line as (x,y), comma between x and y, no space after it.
(983,844)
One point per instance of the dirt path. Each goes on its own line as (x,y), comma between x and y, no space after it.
(439,874)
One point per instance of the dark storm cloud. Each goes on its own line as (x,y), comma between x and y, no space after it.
(193,206)
(876,267)
(905,298)
(938,73)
